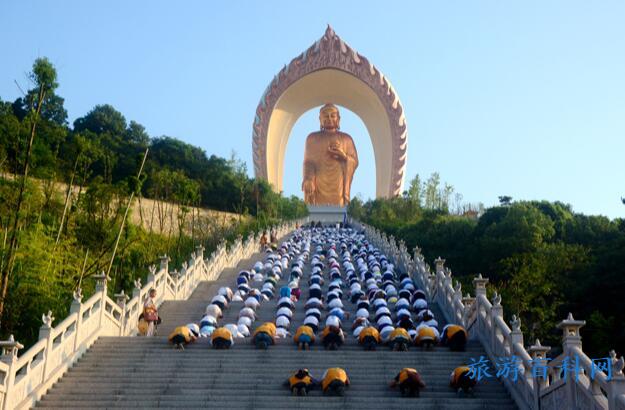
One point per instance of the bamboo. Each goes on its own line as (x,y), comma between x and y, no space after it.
(121,228)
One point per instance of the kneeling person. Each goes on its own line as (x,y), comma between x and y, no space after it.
(334,381)
(369,338)
(455,337)
(332,337)
(221,338)
(301,382)
(264,335)
(409,382)
(304,337)
(183,335)
(461,382)
(399,339)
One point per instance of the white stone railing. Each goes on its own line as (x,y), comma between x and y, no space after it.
(24,379)
(484,321)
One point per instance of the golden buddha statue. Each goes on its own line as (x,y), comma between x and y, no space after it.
(330,159)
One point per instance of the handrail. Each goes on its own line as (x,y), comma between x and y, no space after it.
(484,321)
(24,379)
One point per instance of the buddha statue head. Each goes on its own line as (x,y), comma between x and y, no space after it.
(329,118)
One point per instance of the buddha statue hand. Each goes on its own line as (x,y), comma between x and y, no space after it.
(309,188)
(335,150)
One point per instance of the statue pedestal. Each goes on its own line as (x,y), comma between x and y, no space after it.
(326,214)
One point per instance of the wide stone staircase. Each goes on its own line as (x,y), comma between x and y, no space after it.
(139,372)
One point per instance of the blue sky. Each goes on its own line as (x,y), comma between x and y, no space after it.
(525,99)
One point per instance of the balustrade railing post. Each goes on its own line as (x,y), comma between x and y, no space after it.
(9,356)
(516,336)
(185,277)
(617,383)
(456,299)
(496,311)
(136,291)
(175,276)
(45,333)
(199,251)
(571,339)
(100,288)
(164,263)
(76,307)
(432,281)
(538,354)
(440,264)
(164,267)
(121,298)
(467,301)
(151,282)
(479,285)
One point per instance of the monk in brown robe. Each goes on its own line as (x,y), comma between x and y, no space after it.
(330,160)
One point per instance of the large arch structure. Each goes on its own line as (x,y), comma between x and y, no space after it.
(331,71)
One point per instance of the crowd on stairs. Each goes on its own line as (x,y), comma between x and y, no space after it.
(387,307)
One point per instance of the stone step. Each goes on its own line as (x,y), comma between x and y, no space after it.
(139,372)
(315,401)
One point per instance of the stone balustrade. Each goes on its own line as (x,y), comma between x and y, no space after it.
(483,318)
(24,379)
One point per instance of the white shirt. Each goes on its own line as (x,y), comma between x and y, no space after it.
(213,310)
(386,333)
(334,303)
(284,311)
(252,303)
(313,311)
(420,304)
(210,319)
(234,330)
(286,300)
(385,320)
(282,333)
(313,302)
(431,323)
(243,329)
(382,310)
(225,291)
(333,321)
(247,312)
(283,321)
(244,320)
(221,299)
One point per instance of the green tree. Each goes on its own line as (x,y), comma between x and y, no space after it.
(431,188)
(505,200)
(415,192)
(43,77)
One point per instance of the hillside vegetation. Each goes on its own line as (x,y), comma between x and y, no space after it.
(63,208)
(545,259)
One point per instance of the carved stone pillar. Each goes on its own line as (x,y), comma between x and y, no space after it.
(136,291)
(467,301)
(100,287)
(480,285)
(76,307)
(121,298)
(45,333)
(9,356)
(164,263)
(571,339)
(617,384)
(440,264)
(570,332)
